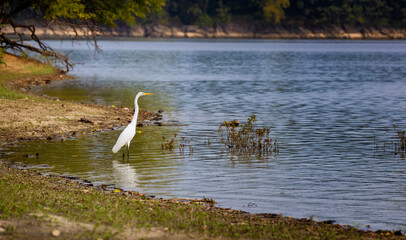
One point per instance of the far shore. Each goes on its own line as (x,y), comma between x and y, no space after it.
(234,31)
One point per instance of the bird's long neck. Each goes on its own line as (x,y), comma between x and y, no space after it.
(134,121)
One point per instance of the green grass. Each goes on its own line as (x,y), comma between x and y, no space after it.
(30,68)
(6,93)
(25,192)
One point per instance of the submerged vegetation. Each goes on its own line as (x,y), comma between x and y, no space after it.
(183,143)
(247,139)
(396,146)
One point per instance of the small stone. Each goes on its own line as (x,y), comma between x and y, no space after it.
(2,230)
(56,233)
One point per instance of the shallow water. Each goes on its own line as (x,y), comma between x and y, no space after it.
(325,101)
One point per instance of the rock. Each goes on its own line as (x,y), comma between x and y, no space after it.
(157,117)
(71,177)
(56,233)
(85,120)
(2,230)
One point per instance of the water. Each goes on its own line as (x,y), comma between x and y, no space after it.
(325,101)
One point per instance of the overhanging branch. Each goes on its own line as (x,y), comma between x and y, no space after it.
(43,50)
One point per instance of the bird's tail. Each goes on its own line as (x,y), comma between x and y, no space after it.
(116,148)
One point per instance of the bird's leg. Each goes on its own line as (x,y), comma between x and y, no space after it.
(123,153)
(128,153)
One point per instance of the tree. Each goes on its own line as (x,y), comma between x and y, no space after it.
(77,19)
(273,10)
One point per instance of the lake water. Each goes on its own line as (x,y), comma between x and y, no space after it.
(325,101)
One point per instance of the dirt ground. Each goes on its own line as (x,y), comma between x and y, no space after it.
(30,119)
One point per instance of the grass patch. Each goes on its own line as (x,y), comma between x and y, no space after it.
(25,192)
(19,68)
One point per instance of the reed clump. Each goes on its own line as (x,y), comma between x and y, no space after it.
(183,143)
(248,139)
(397,146)
(400,144)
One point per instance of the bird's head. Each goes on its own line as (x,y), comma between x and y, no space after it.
(139,95)
(142,94)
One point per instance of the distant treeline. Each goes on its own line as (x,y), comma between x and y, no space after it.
(388,13)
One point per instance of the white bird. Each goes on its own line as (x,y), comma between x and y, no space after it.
(129,132)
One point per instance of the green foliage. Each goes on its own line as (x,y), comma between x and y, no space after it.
(313,12)
(204,20)
(223,15)
(349,12)
(207,12)
(273,10)
(98,11)
(2,62)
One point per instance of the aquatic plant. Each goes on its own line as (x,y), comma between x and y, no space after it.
(400,144)
(396,146)
(183,143)
(247,138)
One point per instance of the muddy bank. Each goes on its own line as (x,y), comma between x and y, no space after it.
(28,117)
(236,30)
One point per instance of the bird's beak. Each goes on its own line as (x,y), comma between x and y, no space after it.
(148,94)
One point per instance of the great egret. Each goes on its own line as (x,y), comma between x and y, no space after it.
(127,135)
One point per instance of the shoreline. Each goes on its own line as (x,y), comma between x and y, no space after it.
(233,31)
(301,228)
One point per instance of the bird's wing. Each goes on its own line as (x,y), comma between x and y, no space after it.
(124,138)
